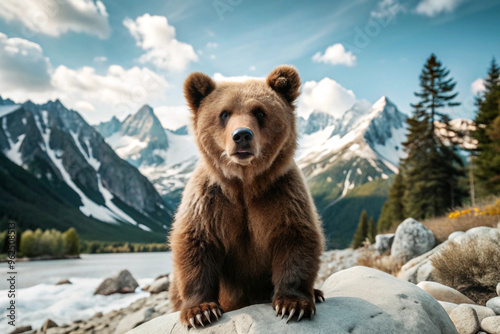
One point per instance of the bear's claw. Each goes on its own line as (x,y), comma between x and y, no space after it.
(318,295)
(291,304)
(201,314)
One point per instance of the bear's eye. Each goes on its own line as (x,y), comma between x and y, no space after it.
(260,115)
(224,116)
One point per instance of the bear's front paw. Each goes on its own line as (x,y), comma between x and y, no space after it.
(294,305)
(200,314)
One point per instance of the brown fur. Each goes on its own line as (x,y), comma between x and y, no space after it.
(246,230)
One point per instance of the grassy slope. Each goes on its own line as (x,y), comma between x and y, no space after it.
(33,204)
(341,219)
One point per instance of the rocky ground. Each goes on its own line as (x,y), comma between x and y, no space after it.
(412,244)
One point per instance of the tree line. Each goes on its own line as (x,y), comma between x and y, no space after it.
(432,176)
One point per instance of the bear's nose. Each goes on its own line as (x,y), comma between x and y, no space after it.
(242,135)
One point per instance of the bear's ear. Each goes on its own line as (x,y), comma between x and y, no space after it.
(196,87)
(285,81)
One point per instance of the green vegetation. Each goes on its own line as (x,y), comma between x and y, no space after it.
(50,243)
(487,154)
(361,231)
(96,247)
(372,230)
(429,179)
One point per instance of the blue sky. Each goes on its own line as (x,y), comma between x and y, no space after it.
(108,58)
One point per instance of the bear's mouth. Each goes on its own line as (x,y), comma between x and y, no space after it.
(242,154)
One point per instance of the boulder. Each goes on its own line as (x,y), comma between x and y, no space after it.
(411,240)
(135,319)
(494,304)
(383,242)
(465,319)
(455,235)
(123,282)
(48,324)
(21,329)
(159,285)
(358,299)
(491,325)
(498,289)
(444,293)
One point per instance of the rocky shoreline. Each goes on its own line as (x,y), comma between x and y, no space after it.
(411,244)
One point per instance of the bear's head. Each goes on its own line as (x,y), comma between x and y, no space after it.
(244,129)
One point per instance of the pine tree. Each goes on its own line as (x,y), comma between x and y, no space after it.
(372,230)
(487,161)
(361,232)
(393,209)
(71,242)
(432,168)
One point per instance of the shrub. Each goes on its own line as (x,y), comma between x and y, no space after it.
(471,267)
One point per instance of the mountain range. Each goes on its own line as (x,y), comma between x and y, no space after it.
(347,161)
(71,177)
(128,176)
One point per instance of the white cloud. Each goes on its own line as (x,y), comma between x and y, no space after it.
(477,86)
(387,9)
(23,65)
(212,45)
(326,95)
(100,59)
(213,57)
(154,35)
(335,54)
(252,68)
(241,78)
(173,117)
(25,73)
(434,7)
(55,17)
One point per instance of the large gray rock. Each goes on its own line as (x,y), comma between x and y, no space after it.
(359,300)
(123,282)
(383,242)
(411,240)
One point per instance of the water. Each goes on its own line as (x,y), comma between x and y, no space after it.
(141,265)
(37,298)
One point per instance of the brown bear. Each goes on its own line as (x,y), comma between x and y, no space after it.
(246,231)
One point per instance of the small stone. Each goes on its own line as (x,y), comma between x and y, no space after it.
(135,319)
(383,242)
(498,289)
(161,284)
(448,307)
(494,304)
(64,281)
(491,325)
(444,293)
(465,319)
(48,324)
(483,312)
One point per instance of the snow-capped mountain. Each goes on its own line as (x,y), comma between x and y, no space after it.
(167,158)
(340,157)
(61,150)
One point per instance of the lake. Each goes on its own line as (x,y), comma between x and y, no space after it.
(38,299)
(141,265)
